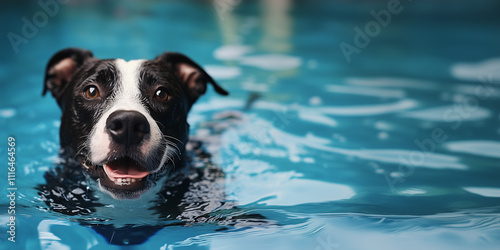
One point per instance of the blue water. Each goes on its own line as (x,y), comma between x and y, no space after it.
(394,146)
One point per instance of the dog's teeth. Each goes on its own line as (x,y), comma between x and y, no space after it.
(123,181)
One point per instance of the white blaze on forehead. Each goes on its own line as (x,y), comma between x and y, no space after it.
(127,96)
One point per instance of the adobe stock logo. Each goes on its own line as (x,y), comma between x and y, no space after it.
(372,29)
(40,19)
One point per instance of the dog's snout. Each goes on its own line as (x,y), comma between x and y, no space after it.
(127,127)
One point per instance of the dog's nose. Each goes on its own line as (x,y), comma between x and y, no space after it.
(127,127)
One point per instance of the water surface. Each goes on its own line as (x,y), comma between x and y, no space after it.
(394,147)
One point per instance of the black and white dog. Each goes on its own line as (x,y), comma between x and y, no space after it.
(125,122)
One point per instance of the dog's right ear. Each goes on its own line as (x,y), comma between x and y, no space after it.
(61,68)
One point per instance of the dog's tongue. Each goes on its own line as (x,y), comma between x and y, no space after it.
(124,168)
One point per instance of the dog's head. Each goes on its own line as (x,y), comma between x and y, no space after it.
(125,121)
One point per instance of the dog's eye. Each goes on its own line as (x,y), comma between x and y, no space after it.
(162,95)
(91,92)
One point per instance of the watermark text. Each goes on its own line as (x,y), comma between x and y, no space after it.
(11,188)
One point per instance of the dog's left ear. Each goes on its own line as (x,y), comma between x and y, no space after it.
(191,74)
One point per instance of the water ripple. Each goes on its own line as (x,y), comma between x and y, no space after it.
(272,62)
(487,69)
(7,113)
(480,148)
(445,113)
(484,191)
(283,189)
(231,52)
(372,109)
(394,156)
(222,72)
(366,91)
(391,82)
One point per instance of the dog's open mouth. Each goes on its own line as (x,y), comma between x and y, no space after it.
(124,173)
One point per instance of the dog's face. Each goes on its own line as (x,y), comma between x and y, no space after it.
(125,122)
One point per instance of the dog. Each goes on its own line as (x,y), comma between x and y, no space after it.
(125,122)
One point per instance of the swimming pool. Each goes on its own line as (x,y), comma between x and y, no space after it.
(348,126)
